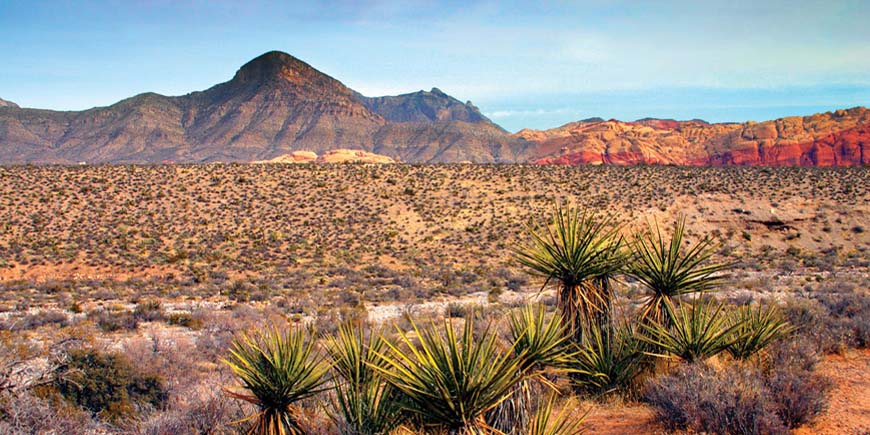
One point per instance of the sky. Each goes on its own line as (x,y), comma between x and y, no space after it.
(534,64)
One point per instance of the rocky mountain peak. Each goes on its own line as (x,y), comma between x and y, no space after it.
(280,67)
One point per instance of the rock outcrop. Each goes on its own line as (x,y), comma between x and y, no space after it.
(5,103)
(353,156)
(840,138)
(332,156)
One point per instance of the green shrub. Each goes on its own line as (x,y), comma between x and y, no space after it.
(108,385)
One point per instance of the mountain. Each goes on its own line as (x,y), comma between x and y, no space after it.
(423,106)
(274,105)
(839,138)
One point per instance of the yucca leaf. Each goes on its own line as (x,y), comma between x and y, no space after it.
(697,331)
(450,381)
(669,271)
(277,370)
(756,328)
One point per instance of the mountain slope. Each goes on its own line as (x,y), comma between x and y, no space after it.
(840,138)
(423,106)
(5,103)
(274,105)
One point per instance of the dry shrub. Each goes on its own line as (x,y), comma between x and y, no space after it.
(833,321)
(25,414)
(732,401)
(798,393)
(202,410)
(781,391)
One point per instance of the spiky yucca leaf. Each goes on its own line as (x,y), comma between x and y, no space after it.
(366,404)
(756,328)
(603,365)
(580,252)
(353,350)
(669,271)
(542,337)
(450,381)
(563,423)
(698,331)
(277,369)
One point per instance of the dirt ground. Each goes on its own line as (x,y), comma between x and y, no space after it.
(849,412)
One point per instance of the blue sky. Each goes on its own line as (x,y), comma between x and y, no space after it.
(525,64)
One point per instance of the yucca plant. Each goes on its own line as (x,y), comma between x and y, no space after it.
(277,370)
(543,338)
(580,253)
(545,422)
(698,331)
(366,404)
(756,328)
(602,366)
(451,381)
(669,271)
(548,347)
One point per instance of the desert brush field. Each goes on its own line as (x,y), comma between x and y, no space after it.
(179,299)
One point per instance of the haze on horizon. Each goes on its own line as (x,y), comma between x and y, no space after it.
(525,64)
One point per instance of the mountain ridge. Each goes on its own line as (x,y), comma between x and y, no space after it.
(276,104)
(836,138)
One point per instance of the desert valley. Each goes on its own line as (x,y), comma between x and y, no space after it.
(282,254)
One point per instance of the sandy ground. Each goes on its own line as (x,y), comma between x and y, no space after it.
(849,412)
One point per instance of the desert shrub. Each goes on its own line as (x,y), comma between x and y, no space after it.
(186,320)
(148,311)
(455,310)
(107,384)
(851,310)
(210,415)
(112,321)
(797,392)
(26,414)
(33,321)
(732,401)
(832,321)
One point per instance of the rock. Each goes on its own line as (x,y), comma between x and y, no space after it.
(841,138)
(353,156)
(294,157)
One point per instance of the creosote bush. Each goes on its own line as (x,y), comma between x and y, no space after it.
(107,384)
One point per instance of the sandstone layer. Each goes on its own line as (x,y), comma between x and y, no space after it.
(839,138)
